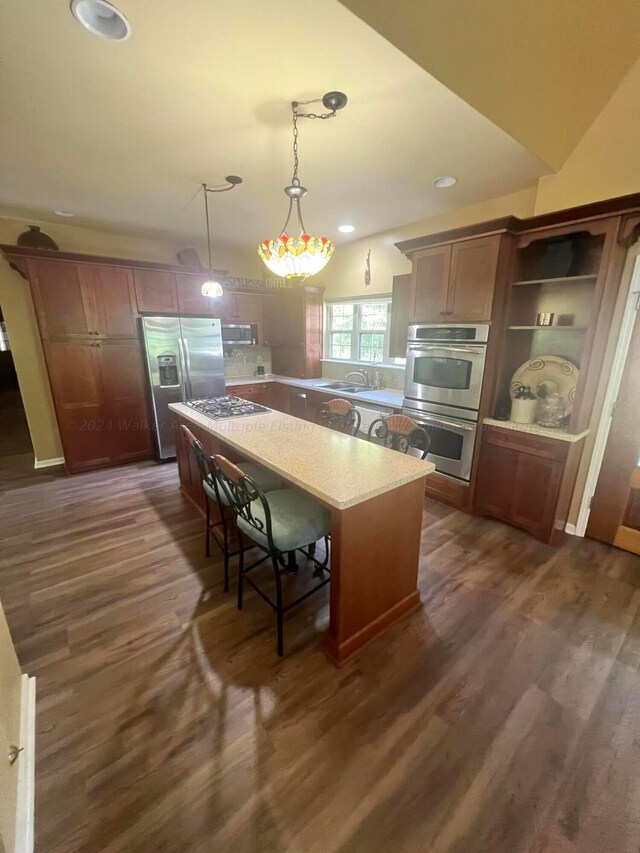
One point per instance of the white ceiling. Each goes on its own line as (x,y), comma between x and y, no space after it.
(123,133)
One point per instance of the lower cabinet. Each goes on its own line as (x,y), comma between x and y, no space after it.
(258,393)
(100,399)
(526,480)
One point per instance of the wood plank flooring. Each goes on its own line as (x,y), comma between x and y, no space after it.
(504,716)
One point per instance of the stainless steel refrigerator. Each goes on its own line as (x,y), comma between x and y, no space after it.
(184,362)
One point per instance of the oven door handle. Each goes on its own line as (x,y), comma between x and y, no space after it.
(478,350)
(436,421)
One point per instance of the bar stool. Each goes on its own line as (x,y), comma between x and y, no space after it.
(278,523)
(339,415)
(212,492)
(399,432)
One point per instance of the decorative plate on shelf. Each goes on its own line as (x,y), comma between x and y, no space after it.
(548,374)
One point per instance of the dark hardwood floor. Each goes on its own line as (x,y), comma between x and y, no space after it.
(502,717)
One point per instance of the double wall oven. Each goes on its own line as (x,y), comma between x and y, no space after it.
(443,384)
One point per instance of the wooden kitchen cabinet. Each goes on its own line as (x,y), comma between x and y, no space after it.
(400,315)
(454,282)
(83,300)
(279,397)
(522,479)
(257,393)
(156,291)
(292,327)
(474,264)
(100,399)
(190,298)
(429,284)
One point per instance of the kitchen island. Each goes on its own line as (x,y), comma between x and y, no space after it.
(375,497)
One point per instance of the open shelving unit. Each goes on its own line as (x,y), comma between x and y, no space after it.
(561,272)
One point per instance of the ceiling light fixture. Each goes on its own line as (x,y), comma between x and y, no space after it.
(445,181)
(300,256)
(346,229)
(65,213)
(212,287)
(101,18)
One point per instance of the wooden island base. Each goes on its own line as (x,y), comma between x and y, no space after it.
(375,549)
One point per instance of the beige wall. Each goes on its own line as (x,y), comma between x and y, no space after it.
(344,275)
(19,315)
(606,161)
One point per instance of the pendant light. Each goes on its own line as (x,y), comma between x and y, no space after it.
(300,255)
(212,287)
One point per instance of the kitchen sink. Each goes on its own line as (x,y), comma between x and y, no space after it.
(340,386)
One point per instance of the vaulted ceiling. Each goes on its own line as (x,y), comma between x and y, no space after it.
(542,70)
(123,133)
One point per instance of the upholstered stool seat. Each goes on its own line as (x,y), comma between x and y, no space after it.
(266,481)
(296,520)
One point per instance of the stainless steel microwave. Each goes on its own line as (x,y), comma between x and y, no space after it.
(239,334)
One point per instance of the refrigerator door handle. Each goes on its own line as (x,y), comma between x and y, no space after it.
(184,369)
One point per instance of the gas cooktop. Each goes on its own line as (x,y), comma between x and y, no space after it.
(226,407)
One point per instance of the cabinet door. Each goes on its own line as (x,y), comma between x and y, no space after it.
(156,291)
(275,331)
(400,315)
(258,393)
(471,283)
(224,308)
(279,397)
(109,295)
(248,307)
(495,478)
(124,399)
(190,298)
(298,403)
(58,299)
(77,392)
(429,284)
(535,494)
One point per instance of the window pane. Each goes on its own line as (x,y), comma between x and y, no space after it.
(341,317)
(340,345)
(374,316)
(371,346)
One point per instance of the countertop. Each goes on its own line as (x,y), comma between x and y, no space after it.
(338,469)
(534,429)
(385,397)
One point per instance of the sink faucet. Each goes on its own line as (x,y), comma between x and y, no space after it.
(362,375)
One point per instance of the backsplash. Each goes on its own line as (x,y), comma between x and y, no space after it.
(391,377)
(242,362)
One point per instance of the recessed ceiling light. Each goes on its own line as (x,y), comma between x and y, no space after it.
(445,181)
(101,18)
(346,229)
(63,213)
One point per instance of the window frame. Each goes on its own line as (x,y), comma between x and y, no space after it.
(357,330)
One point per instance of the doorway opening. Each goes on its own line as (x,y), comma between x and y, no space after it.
(15,440)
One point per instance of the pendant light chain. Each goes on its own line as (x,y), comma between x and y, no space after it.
(295,180)
(206,213)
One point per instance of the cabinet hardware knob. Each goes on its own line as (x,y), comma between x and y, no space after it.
(14,753)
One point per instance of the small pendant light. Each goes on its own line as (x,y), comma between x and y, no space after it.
(212,287)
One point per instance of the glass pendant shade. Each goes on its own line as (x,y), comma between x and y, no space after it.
(212,289)
(296,257)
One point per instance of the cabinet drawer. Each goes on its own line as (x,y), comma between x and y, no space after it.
(525,442)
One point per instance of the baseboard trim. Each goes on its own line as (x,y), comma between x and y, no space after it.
(25,815)
(48,463)
(570,529)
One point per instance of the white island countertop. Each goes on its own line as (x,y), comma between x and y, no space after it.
(339,470)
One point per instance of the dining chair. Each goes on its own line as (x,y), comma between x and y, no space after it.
(278,523)
(339,415)
(399,432)
(212,493)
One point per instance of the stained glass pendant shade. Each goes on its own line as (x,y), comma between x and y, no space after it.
(300,255)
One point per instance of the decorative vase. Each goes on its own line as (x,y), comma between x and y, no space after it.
(34,238)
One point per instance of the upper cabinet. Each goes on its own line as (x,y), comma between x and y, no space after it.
(400,315)
(293,327)
(454,282)
(83,300)
(156,291)
(474,264)
(190,298)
